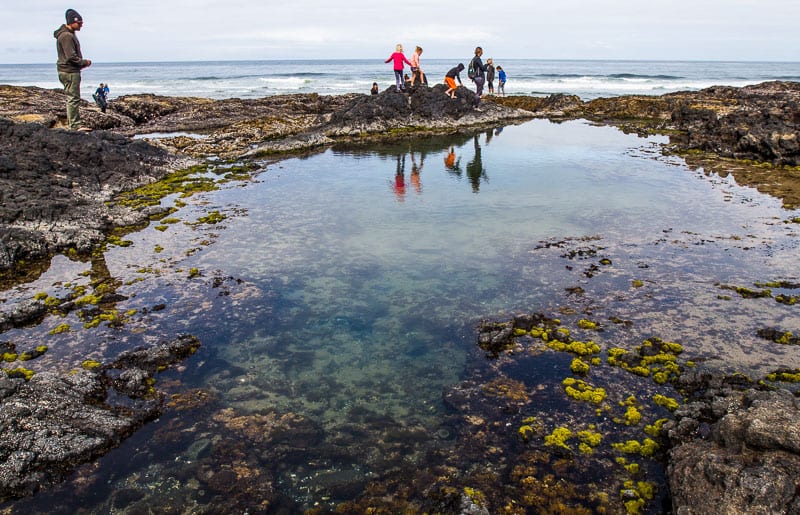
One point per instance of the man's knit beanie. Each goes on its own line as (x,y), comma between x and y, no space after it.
(73,16)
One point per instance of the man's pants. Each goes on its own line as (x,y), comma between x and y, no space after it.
(72,88)
(479,81)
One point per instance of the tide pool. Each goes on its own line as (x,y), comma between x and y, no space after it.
(338,299)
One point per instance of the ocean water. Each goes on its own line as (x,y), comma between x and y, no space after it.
(344,289)
(252,79)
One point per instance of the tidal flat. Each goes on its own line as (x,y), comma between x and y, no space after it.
(340,296)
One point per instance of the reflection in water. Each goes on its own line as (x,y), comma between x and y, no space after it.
(416,170)
(399,184)
(475,169)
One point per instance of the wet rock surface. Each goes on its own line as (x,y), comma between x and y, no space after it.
(736,449)
(54,186)
(56,421)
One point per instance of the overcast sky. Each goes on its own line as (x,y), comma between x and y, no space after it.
(167,30)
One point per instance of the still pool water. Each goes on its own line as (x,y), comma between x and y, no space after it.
(338,304)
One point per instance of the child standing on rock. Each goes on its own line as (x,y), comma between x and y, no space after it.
(490,75)
(450,79)
(399,59)
(501,81)
(416,70)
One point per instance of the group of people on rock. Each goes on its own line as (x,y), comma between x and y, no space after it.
(478,72)
(399,61)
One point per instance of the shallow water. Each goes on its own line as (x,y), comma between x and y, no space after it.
(345,287)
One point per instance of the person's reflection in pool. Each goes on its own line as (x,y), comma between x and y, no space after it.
(475,170)
(451,163)
(415,171)
(399,184)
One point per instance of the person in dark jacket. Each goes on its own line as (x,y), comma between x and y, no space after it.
(480,70)
(100,97)
(490,75)
(69,65)
(450,79)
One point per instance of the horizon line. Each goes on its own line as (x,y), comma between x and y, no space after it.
(620,60)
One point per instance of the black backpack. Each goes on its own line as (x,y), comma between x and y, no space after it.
(471,69)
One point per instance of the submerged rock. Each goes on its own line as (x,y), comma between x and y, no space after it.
(54,422)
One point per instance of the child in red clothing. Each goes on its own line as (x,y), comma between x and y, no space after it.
(399,59)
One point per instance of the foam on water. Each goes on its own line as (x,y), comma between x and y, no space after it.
(249,79)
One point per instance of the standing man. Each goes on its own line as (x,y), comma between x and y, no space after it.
(70,63)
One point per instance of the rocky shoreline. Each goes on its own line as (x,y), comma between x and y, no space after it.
(736,447)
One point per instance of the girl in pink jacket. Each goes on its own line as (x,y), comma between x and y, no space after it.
(399,59)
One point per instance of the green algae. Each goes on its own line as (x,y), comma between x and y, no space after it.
(632,416)
(185,182)
(666,402)
(789,300)
(35,353)
(117,241)
(654,357)
(583,391)
(779,336)
(748,293)
(60,328)
(476,496)
(578,366)
(785,376)
(90,364)
(526,432)
(656,427)
(647,448)
(20,373)
(214,217)
(558,438)
(590,437)
(644,492)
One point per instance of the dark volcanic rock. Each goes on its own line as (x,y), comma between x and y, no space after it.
(54,186)
(420,107)
(759,122)
(421,101)
(54,422)
(735,450)
(48,107)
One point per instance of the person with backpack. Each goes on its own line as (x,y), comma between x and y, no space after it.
(477,72)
